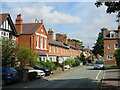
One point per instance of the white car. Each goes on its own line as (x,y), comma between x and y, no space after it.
(99,64)
(40,73)
(67,67)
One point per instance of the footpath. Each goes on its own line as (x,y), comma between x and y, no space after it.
(111,79)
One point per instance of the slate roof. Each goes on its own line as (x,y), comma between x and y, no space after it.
(56,43)
(30,28)
(41,53)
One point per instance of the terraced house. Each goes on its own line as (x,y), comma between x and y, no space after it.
(62,48)
(35,37)
(111,43)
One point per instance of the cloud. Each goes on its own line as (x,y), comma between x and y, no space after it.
(46,13)
(93,19)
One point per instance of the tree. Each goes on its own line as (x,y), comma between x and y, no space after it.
(26,56)
(117,56)
(112,6)
(98,48)
(8,52)
(83,59)
(78,41)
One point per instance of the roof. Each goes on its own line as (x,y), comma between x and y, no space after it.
(41,53)
(3,17)
(56,43)
(30,28)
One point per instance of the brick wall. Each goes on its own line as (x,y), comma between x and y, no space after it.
(109,51)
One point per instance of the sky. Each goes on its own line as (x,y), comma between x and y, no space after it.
(79,20)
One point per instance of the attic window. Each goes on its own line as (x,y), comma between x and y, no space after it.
(112,34)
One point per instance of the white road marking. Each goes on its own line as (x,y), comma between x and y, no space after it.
(104,75)
(98,74)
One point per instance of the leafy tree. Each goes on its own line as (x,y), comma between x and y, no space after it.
(82,58)
(117,56)
(26,56)
(99,45)
(8,52)
(112,6)
(78,41)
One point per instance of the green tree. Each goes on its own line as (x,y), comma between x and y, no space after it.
(26,56)
(78,41)
(112,6)
(8,52)
(82,58)
(98,48)
(117,57)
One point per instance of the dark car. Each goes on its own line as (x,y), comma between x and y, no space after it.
(46,70)
(9,74)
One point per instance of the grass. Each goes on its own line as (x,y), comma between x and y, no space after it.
(110,65)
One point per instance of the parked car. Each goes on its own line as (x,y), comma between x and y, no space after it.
(99,64)
(67,67)
(30,69)
(46,70)
(9,74)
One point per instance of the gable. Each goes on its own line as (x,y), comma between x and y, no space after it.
(42,30)
(6,25)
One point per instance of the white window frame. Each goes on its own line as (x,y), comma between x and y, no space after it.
(108,46)
(109,57)
(37,42)
(116,45)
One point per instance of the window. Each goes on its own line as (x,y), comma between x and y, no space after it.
(109,57)
(108,46)
(50,48)
(112,34)
(37,38)
(116,46)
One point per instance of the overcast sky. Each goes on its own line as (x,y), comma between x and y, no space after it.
(79,20)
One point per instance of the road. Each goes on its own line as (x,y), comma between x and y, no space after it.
(78,77)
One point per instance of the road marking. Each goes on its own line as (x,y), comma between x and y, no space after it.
(98,74)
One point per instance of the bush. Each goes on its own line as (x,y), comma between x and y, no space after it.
(47,64)
(70,62)
(117,56)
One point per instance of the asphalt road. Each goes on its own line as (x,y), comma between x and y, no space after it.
(79,77)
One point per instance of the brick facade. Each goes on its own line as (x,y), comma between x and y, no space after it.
(111,43)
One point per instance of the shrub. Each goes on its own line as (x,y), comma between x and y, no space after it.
(117,56)
(47,64)
(70,62)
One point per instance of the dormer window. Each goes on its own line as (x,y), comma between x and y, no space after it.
(112,34)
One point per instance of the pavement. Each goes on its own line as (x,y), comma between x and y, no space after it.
(111,79)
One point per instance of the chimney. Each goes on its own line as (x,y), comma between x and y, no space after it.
(64,36)
(59,37)
(50,34)
(77,44)
(71,42)
(18,24)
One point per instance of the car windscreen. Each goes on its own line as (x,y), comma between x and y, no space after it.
(99,62)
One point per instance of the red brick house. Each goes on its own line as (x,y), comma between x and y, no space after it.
(32,35)
(61,48)
(111,43)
